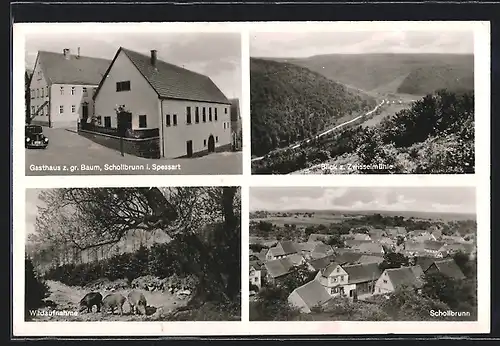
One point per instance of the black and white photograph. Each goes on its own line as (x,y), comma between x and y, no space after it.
(133,254)
(363,254)
(363,102)
(113,102)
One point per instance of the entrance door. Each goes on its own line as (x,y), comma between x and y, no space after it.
(189,148)
(211,144)
(124,122)
(85,111)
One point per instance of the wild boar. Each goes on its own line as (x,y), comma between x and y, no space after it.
(113,301)
(91,299)
(137,302)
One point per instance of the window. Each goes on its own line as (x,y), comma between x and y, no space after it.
(142,121)
(37,93)
(99,120)
(188,115)
(385,281)
(338,270)
(107,121)
(84,90)
(72,90)
(209,113)
(167,119)
(73,109)
(197,115)
(47,91)
(123,86)
(204,115)
(225,110)
(175,119)
(204,142)
(61,109)
(61,89)
(215,114)
(32,110)
(224,125)
(216,139)
(42,90)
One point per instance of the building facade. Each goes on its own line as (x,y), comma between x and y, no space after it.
(189,111)
(62,86)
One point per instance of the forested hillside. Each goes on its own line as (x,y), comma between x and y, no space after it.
(417,74)
(436,135)
(290,103)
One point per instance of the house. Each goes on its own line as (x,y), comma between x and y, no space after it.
(318,237)
(387,241)
(255,275)
(62,87)
(334,279)
(437,233)
(451,249)
(183,112)
(429,247)
(393,279)
(396,231)
(434,248)
(315,250)
(355,244)
(453,239)
(423,261)
(277,269)
(308,296)
(371,248)
(348,258)
(447,267)
(423,236)
(320,263)
(361,278)
(361,236)
(281,250)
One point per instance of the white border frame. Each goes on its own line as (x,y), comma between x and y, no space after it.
(481,179)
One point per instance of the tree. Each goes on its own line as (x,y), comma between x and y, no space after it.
(90,218)
(257,247)
(400,240)
(335,241)
(35,290)
(393,260)
(298,276)
(272,305)
(441,287)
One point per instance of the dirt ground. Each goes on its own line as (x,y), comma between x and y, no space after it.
(67,298)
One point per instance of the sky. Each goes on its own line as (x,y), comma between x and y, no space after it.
(299,45)
(217,55)
(415,199)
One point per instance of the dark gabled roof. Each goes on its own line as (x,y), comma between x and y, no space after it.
(57,69)
(174,82)
(313,294)
(321,263)
(318,237)
(408,276)
(371,259)
(279,267)
(363,272)
(424,262)
(449,268)
(348,258)
(433,245)
(288,247)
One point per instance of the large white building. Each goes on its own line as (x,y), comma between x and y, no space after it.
(190,111)
(62,86)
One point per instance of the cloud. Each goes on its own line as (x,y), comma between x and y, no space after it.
(439,199)
(396,41)
(217,55)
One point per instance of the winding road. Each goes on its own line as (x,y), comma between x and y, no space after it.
(299,144)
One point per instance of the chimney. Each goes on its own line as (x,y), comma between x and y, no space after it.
(78,55)
(66,53)
(153,57)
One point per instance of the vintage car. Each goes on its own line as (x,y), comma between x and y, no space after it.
(34,137)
